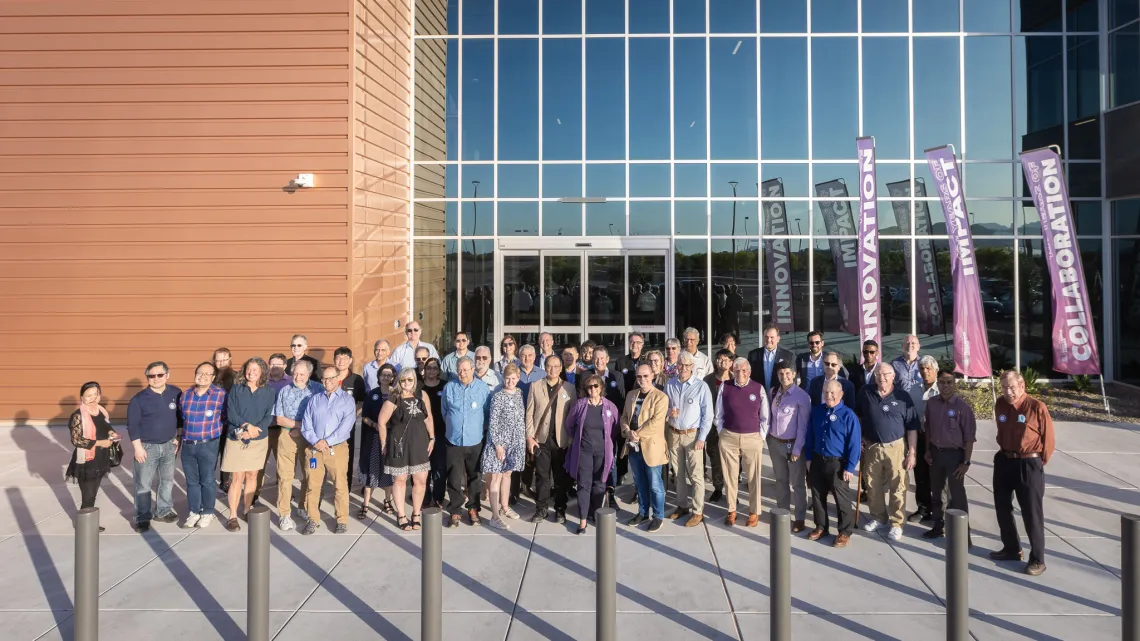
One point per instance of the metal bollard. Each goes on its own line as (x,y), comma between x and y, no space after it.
(957,575)
(780,567)
(257,576)
(431,579)
(1129,576)
(606,519)
(87,574)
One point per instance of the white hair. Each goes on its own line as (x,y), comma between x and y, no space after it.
(928,361)
(685,358)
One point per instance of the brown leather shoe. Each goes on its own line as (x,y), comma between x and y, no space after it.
(815,535)
(474,516)
(454,521)
(232,525)
(753,519)
(798,526)
(730,519)
(678,513)
(1034,568)
(694,520)
(841,540)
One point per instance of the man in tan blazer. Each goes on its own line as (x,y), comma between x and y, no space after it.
(643,425)
(547,404)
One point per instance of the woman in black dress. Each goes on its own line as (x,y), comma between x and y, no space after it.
(92,436)
(372,473)
(407,437)
(432,385)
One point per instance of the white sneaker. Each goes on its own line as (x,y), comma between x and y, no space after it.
(191,520)
(286,524)
(895,534)
(509,513)
(498,523)
(873,526)
(205,521)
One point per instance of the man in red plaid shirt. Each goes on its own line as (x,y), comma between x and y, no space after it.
(203,415)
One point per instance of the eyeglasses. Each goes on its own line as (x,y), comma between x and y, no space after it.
(870,352)
(594,386)
(411,329)
(508,344)
(154,376)
(482,358)
(831,364)
(198,375)
(296,345)
(644,376)
(815,342)
(329,378)
(407,380)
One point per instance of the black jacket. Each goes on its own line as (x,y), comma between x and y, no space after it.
(858,379)
(756,359)
(801,369)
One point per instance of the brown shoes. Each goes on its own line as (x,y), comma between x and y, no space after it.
(841,540)
(1034,568)
(474,516)
(678,513)
(730,519)
(815,535)
(453,521)
(798,526)
(753,519)
(232,525)
(694,520)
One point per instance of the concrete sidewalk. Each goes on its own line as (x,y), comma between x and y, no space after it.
(536,582)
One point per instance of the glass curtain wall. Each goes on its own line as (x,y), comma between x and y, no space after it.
(729,126)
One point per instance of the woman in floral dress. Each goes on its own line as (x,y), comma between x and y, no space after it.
(505,451)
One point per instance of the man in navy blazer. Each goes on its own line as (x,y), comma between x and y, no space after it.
(832,364)
(809,365)
(764,359)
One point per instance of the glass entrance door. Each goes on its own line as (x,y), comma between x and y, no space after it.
(575,293)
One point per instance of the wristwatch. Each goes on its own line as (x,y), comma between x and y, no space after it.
(966,463)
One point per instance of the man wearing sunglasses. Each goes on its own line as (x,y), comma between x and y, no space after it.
(449,362)
(832,366)
(405,353)
(154,430)
(298,347)
(865,374)
(809,365)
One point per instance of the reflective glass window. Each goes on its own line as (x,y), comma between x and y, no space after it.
(478,218)
(479,289)
(737,180)
(689,180)
(886,97)
(518,181)
(561,219)
(734,218)
(518,218)
(605,181)
(518,16)
(1122,12)
(835,216)
(732,98)
(648,16)
(518,99)
(986,16)
(436,270)
(1127,259)
(688,16)
(478,17)
(561,99)
(989,102)
(1084,139)
(689,98)
(793,178)
(690,217)
(437,99)
(891,174)
(436,218)
(783,16)
(1084,180)
(937,118)
(1126,219)
(935,15)
(605,16)
(828,317)
(834,16)
(1087,217)
(691,272)
(434,18)
(649,218)
(561,16)
(732,16)
(736,290)
(1037,15)
(894,291)
(561,181)
(799,219)
(605,99)
(478,100)
(988,180)
(1082,15)
(885,16)
(605,219)
(437,181)
(783,97)
(987,217)
(1038,90)
(1124,65)
(1084,77)
(648,98)
(478,181)
(649,180)
(846,173)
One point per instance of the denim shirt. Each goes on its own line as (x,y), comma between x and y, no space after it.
(463,410)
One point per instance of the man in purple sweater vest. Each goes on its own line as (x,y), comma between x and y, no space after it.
(742,420)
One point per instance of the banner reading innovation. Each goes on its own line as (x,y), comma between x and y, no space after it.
(1074,336)
(776,255)
(870,307)
(837,221)
(928,293)
(971,347)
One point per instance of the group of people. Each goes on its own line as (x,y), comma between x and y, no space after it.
(468,429)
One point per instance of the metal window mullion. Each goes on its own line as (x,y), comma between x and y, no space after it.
(672,130)
(495,128)
(708,180)
(585,187)
(811,182)
(1108,290)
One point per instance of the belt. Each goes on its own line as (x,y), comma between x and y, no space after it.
(945,449)
(692,431)
(1009,454)
(785,440)
(874,444)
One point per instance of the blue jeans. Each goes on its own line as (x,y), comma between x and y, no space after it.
(650,486)
(160,460)
(198,461)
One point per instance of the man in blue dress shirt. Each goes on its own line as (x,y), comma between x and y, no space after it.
(832,450)
(326,424)
(690,419)
(464,400)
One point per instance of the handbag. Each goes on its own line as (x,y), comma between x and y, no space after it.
(115,452)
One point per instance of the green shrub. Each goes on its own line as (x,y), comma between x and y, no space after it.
(1082,384)
(980,397)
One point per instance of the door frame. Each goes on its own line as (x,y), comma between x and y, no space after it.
(584,247)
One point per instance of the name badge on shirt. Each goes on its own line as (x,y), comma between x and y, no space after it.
(474,405)
(886,408)
(1001,419)
(439,393)
(690,401)
(564,396)
(209,413)
(613,383)
(951,413)
(831,418)
(609,414)
(375,397)
(625,370)
(171,406)
(1020,418)
(752,397)
(787,410)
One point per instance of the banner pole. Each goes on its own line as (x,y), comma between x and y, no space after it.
(1104,396)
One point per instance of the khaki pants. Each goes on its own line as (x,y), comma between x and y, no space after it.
(335,463)
(735,448)
(689,467)
(288,446)
(886,481)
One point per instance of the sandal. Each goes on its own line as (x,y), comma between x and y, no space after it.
(363,513)
(388,507)
(403,523)
(415,521)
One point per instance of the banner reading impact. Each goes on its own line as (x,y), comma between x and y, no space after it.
(1074,336)
(837,221)
(870,308)
(928,293)
(776,254)
(971,347)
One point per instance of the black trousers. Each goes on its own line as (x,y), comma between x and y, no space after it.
(1025,479)
(922,477)
(89,491)
(941,476)
(826,478)
(463,471)
(591,484)
(712,446)
(550,477)
(437,478)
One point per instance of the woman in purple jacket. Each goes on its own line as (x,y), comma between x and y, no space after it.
(590,424)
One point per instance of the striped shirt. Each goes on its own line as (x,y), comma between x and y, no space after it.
(203,414)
